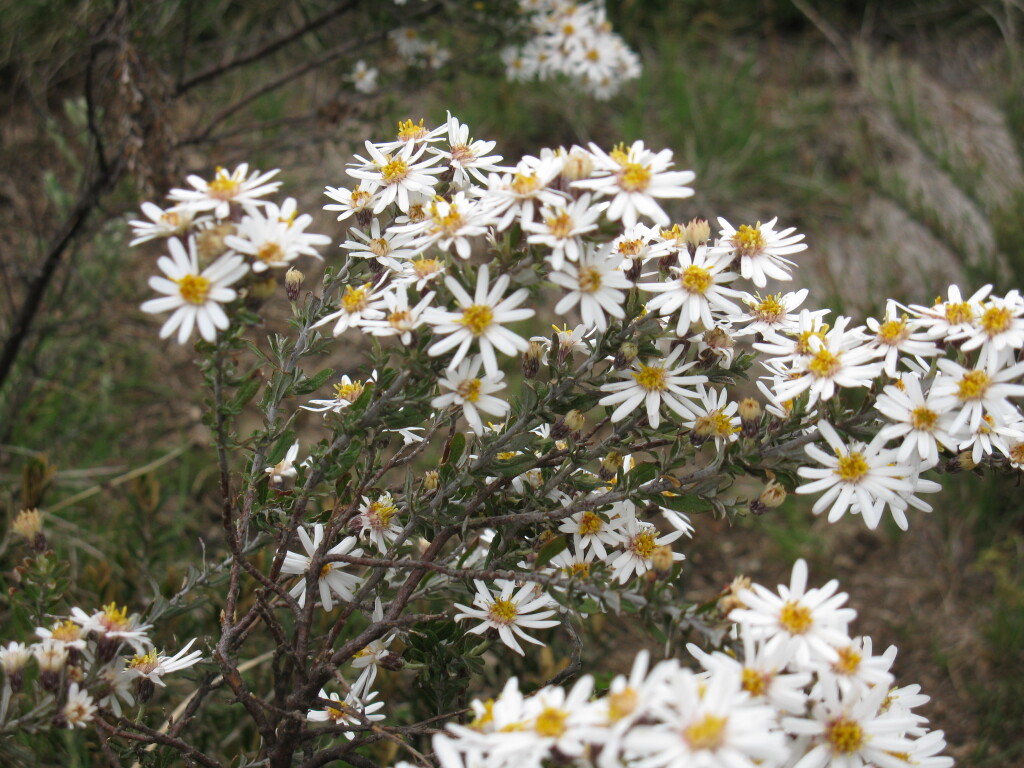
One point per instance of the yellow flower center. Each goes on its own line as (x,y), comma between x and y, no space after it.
(379,246)
(448,222)
(577,571)
(621,704)
(824,364)
(326,569)
(590,523)
(845,736)
(410,131)
(380,513)
(892,332)
(360,197)
(66,631)
(852,467)
(634,177)
(400,319)
(426,267)
(643,544)
(146,663)
(355,299)
(755,683)
(973,385)
(269,253)
(996,320)
(749,241)
(469,390)
(394,171)
(696,279)
(484,718)
(502,611)
(171,219)
(959,313)
(1017,453)
(715,424)
(350,391)
(194,288)
(651,377)
(462,153)
(223,187)
(525,183)
(848,662)
(551,722)
(771,309)
(631,247)
(477,318)
(803,344)
(590,279)
(560,225)
(795,618)
(707,733)
(923,418)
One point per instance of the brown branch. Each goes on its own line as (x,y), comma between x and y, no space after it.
(147,735)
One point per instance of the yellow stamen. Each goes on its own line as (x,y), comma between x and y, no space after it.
(651,377)
(469,390)
(194,288)
(643,544)
(551,722)
(502,611)
(477,318)
(845,736)
(696,279)
(853,467)
(707,733)
(590,279)
(749,241)
(973,385)
(795,618)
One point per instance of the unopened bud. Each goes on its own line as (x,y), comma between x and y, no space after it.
(626,355)
(210,242)
(293,283)
(662,561)
(392,661)
(729,599)
(260,291)
(531,359)
(579,164)
(962,462)
(697,233)
(771,497)
(29,524)
(431,480)
(750,416)
(569,424)
(610,465)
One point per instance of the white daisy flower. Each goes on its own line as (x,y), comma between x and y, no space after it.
(450,223)
(713,417)
(596,283)
(480,319)
(193,296)
(472,393)
(591,532)
(953,317)
(376,521)
(238,187)
(916,419)
(640,541)
(174,222)
(561,227)
(357,708)
(112,626)
(772,313)
(973,392)
(275,237)
(346,392)
(359,202)
(509,611)
(332,579)
(364,77)
(152,666)
(399,318)
(761,250)
(696,289)
(359,305)
(79,709)
(466,157)
(518,194)
(285,467)
(389,248)
(396,175)
(998,329)
(896,335)
(652,383)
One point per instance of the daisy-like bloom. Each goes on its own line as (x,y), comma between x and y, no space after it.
(713,417)
(193,296)
(174,222)
(561,227)
(416,134)
(364,77)
(641,543)
(857,473)
(389,248)
(358,708)
(332,580)
(636,176)
(225,188)
(13,657)
(358,201)
(896,335)
(117,683)
(761,250)
(376,521)
(852,732)
(79,708)
(518,194)
(772,313)
(794,342)
(509,611)
(916,419)
(152,667)
(472,392)
(708,721)
(976,392)
(465,156)
(838,359)
(450,223)
(569,340)
(696,289)
(274,236)
(373,655)
(998,329)
(359,305)
(67,632)
(635,246)
(285,467)
(592,532)
(652,383)
(421,271)
(596,283)
(480,319)
(396,175)
(399,318)
(953,317)
(346,392)
(856,667)
(112,626)
(809,623)
(556,720)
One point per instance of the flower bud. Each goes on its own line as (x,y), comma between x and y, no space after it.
(626,355)
(210,242)
(51,656)
(29,525)
(431,480)
(259,291)
(750,416)
(729,599)
(697,233)
(293,283)
(610,465)
(962,462)
(531,359)
(569,424)
(662,561)
(579,164)
(14,656)
(771,497)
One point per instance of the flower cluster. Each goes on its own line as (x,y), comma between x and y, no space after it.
(84,661)
(803,692)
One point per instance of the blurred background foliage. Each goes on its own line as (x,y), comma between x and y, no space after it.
(890,132)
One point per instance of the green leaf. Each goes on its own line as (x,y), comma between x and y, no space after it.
(688,503)
(514,466)
(284,442)
(245,393)
(455,448)
(405,417)
(349,457)
(549,550)
(640,474)
(313,383)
